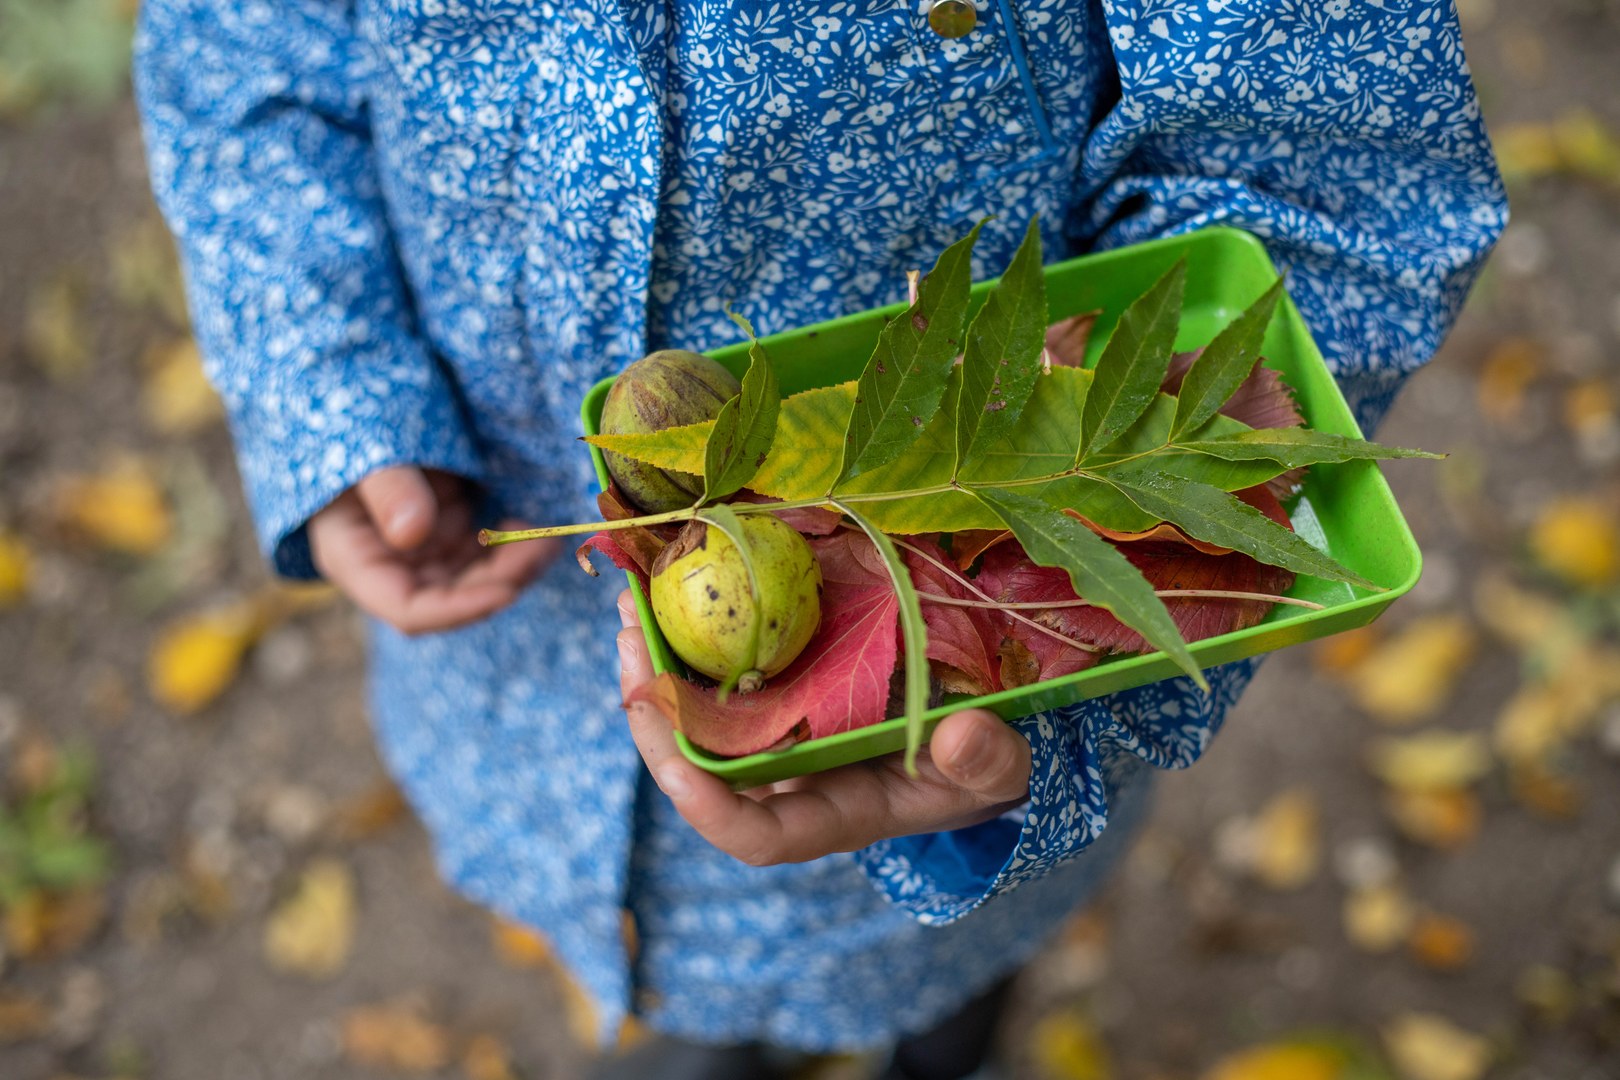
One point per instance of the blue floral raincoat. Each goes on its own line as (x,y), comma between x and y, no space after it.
(417,231)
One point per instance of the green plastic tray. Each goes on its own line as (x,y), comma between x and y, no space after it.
(1347,510)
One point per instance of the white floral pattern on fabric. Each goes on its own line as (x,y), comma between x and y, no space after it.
(419,231)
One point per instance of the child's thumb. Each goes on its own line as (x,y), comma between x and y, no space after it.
(401,504)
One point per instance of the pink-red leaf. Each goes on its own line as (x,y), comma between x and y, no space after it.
(1066,339)
(1028,655)
(963,640)
(1263,400)
(840,681)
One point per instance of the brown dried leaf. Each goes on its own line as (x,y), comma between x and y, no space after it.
(311,932)
(1509,371)
(1446,819)
(395,1036)
(1547,794)
(1343,653)
(369,813)
(22,1017)
(44,924)
(1441,942)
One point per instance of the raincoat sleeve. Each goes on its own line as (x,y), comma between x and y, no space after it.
(261,158)
(1344,134)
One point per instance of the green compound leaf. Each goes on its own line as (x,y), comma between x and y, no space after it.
(744,430)
(720,516)
(1223,365)
(1003,355)
(913,632)
(1095,567)
(1295,448)
(1133,363)
(899,391)
(1210,514)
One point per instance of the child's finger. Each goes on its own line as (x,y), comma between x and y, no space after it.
(978,752)
(401,504)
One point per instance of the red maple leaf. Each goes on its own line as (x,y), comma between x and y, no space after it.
(962,641)
(840,681)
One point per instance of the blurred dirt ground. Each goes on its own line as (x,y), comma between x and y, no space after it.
(1401,859)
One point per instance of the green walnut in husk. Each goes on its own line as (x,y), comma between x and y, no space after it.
(666,389)
(703,604)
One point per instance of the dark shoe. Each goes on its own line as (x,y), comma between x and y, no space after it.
(661,1057)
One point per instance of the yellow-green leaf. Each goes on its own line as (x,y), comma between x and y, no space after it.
(311,932)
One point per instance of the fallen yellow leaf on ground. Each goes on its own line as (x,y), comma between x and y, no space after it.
(519,946)
(196,659)
(1589,406)
(1065,1045)
(42,923)
(1577,144)
(16,569)
(1441,942)
(1561,703)
(1288,841)
(121,509)
(486,1058)
(1547,794)
(22,1017)
(54,325)
(1445,819)
(1342,653)
(1549,991)
(177,398)
(1578,539)
(311,932)
(1528,621)
(1410,676)
(1424,1046)
(369,813)
(1430,760)
(1509,371)
(1379,918)
(395,1036)
(1282,1061)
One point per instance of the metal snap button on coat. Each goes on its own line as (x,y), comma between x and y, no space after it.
(952,18)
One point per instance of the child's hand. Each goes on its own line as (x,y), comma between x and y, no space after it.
(402,545)
(842,809)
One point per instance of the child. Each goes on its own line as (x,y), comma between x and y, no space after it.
(417,231)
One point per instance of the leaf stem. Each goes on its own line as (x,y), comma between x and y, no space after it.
(975,590)
(1183,594)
